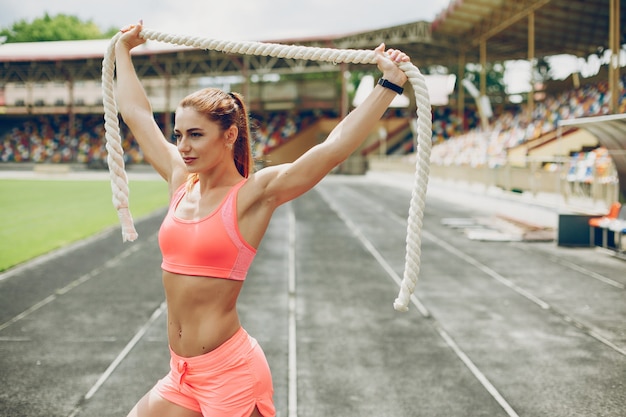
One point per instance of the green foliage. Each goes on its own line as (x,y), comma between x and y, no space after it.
(542,70)
(110,32)
(61,27)
(495,78)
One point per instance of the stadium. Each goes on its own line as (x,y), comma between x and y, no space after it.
(298,102)
(539,330)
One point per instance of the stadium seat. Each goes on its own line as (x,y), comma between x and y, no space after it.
(600,222)
(617,227)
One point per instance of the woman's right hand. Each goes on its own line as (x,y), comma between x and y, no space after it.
(130,36)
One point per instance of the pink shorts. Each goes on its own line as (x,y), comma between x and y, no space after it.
(229,381)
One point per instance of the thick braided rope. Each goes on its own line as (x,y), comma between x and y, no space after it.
(115,152)
(115,159)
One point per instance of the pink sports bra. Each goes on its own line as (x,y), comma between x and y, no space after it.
(211,246)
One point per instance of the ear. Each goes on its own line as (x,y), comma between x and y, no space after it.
(231,135)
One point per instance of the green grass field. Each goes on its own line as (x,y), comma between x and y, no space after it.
(37,216)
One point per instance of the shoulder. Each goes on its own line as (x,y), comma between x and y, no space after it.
(279,184)
(264,176)
(258,186)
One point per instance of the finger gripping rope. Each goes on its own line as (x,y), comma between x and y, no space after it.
(115,158)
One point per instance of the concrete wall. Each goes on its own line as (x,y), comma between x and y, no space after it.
(531,178)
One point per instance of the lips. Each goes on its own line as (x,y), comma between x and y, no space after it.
(188,160)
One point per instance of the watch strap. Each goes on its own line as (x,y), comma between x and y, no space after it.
(388,84)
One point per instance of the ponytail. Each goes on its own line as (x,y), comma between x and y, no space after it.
(242,148)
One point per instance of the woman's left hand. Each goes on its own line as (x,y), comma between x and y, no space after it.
(388,61)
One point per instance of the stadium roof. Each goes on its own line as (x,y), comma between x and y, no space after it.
(69,50)
(577,27)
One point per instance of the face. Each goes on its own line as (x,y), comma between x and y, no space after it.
(200,142)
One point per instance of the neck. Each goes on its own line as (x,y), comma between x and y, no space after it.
(219,178)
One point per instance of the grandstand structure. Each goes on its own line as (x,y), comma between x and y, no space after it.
(467,31)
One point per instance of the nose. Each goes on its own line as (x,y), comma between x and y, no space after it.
(182,145)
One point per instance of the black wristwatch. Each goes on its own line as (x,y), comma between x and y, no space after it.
(388,84)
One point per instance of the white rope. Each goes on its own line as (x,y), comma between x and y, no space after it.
(115,152)
(115,158)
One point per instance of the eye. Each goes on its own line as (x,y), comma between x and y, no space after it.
(176,137)
(196,135)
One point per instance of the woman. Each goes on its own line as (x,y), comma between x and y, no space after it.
(219,211)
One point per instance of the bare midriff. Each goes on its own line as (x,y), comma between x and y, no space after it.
(202,312)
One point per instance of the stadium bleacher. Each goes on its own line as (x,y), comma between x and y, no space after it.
(514,127)
(47,138)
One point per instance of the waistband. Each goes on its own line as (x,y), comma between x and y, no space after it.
(237,345)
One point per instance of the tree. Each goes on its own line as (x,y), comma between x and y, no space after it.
(54,28)
(542,70)
(495,86)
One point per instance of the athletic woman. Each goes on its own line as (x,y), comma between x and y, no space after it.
(219,211)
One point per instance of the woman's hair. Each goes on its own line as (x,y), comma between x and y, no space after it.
(225,109)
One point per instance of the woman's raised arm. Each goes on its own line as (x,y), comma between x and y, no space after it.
(136,111)
(287,181)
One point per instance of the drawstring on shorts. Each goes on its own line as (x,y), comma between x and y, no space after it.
(182,370)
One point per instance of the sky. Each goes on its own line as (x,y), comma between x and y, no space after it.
(260,20)
(237,20)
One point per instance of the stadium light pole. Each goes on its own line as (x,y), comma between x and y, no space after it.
(614,45)
(482,102)
(461,90)
(531,58)
(345,75)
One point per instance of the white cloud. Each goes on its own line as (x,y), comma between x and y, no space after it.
(234,19)
(263,20)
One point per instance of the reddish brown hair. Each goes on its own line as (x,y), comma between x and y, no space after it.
(225,109)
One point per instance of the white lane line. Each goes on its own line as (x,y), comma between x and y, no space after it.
(28,311)
(66,249)
(575,267)
(373,251)
(15,339)
(54,254)
(129,346)
(484,381)
(508,283)
(476,372)
(589,273)
(120,357)
(61,291)
(570,320)
(485,269)
(292,400)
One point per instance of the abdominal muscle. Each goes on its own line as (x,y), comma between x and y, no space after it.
(202,312)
